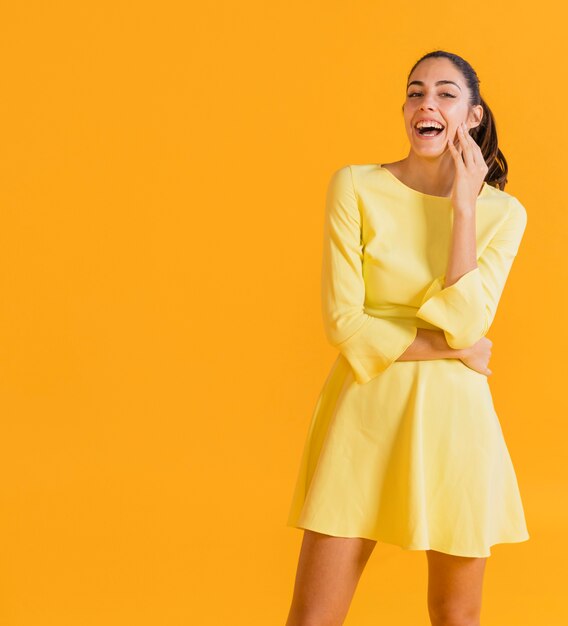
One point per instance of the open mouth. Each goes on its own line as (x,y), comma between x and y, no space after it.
(429,131)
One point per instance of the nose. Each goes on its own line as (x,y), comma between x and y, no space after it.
(426,105)
(427,102)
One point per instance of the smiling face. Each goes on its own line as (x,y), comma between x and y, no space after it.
(443,103)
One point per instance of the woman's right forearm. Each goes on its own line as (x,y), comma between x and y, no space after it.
(430,344)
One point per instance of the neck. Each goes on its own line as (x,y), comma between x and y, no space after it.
(433,176)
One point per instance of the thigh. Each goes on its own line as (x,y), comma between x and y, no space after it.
(455,586)
(329,569)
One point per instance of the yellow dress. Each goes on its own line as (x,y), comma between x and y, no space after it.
(409,453)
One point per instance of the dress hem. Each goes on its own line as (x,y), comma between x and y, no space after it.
(520,539)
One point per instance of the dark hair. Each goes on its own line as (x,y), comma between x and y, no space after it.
(485,134)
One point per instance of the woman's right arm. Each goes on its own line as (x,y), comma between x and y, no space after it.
(432,344)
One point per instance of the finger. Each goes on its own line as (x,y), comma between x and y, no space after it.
(467,150)
(456,154)
(475,148)
(456,143)
(452,146)
(477,154)
(459,148)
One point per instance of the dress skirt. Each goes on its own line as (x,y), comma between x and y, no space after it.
(433,472)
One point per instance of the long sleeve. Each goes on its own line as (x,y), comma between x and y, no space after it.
(465,310)
(369,344)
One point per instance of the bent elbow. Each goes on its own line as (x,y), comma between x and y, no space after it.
(466,336)
(340,327)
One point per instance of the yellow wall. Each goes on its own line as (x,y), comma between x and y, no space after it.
(163,170)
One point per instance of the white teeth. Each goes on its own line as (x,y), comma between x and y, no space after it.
(423,123)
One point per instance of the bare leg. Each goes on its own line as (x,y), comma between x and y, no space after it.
(329,569)
(454,589)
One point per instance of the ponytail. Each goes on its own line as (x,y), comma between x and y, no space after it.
(485,135)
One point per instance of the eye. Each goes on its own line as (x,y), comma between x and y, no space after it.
(418,93)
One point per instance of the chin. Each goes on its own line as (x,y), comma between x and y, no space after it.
(430,151)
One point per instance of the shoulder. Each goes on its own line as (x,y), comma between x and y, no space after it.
(508,205)
(354,174)
(344,189)
(348,180)
(509,218)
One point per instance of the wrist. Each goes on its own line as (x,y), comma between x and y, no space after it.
(467,210)
(440,345)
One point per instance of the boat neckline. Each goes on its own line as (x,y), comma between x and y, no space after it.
(420,193)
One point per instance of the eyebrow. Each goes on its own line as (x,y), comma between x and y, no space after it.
(440,82)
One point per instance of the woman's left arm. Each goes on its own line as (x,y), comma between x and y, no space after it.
(471,170)
(464,301)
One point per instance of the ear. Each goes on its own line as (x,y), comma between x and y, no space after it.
(476,115)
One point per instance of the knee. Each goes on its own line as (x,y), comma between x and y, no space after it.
(454,621)
(312,621)
(305,618)
(453,616)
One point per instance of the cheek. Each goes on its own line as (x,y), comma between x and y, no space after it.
(409,114)
(453,133)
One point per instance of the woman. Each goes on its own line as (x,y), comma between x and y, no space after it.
(405,446)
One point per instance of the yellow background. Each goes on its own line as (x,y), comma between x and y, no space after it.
(163,171)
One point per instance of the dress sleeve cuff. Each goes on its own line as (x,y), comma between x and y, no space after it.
(375,346)
(459,310)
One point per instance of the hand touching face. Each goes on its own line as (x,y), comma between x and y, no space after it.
(471,170)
